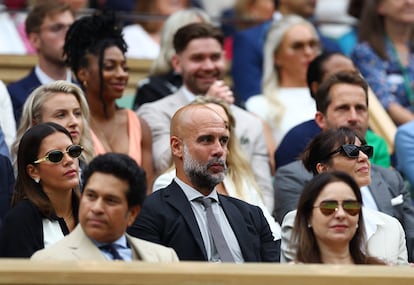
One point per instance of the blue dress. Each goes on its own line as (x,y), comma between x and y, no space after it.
(384,76)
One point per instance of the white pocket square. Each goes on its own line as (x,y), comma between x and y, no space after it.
(397,200)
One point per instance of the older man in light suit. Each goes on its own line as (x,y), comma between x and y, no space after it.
(200,60)
(113,193)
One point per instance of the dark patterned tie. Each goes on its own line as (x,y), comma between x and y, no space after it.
(112,250)
(218,238)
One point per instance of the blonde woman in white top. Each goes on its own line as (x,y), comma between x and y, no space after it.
(291,44)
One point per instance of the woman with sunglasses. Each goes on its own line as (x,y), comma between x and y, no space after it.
(46,199)
(329,227)
(63,103)
(344,150)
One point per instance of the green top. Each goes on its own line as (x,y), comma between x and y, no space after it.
(381,155)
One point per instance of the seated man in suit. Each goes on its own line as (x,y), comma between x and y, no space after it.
(295,141)
(46,26)
(114,189)
(179,216)
(200,60)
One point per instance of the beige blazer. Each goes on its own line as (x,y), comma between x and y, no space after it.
(77,246)
(386,237)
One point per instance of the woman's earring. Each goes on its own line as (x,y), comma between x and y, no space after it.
(85,84)
(309,225)
(37,179)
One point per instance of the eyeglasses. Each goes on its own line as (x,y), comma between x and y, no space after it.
(352,151)
(329,207)
(301,45)
(56,156)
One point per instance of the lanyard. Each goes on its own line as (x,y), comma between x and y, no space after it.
(403,69)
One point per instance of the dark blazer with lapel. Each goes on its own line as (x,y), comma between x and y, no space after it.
(167,218)
(20,90)
(387,187)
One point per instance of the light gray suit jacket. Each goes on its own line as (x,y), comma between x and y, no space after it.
(386,238)
(249,130)
(387,187)
(77,246)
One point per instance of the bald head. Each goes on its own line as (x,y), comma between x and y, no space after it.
(199,138)
(191,115)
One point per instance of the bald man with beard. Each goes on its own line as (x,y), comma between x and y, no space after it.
(174,216)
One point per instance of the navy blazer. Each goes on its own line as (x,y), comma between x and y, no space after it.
(167,218)
(20,90)
(6,185)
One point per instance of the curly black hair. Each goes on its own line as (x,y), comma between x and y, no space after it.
(92,35)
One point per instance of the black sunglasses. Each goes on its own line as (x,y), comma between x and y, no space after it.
(56,156)
(329,207)
(352,151)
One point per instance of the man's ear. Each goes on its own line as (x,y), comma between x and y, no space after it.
(133,214)
(175,62)
(34,40)
(320,120)
(177,147)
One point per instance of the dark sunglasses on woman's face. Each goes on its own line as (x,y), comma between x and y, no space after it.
(56,156)
(352,151)
(328,207)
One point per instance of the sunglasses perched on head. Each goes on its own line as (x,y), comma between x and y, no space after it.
(328,207)
(352,151)
(56,156)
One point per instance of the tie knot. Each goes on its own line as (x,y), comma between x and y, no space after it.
(205,201)
(111,248)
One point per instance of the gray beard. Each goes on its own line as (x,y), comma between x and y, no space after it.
(199,174)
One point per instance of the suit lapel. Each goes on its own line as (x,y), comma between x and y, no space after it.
(380,193)
(82,247)
(177,199)
(238,225)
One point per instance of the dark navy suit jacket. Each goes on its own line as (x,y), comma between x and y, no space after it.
(20,90)
(167,218)
(6,185)
(247,63)
(295,141)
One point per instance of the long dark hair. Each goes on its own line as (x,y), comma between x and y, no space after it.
(93,35)
(27,153)
(303,237)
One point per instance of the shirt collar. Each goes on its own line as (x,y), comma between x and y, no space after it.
(45,79)
(192,193)
(188,94)
(121,242)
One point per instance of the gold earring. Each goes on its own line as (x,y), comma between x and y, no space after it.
(85,84)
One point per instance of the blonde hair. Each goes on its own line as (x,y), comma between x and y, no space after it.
(32,114)
(238,167)
(270,78)
(162,64)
